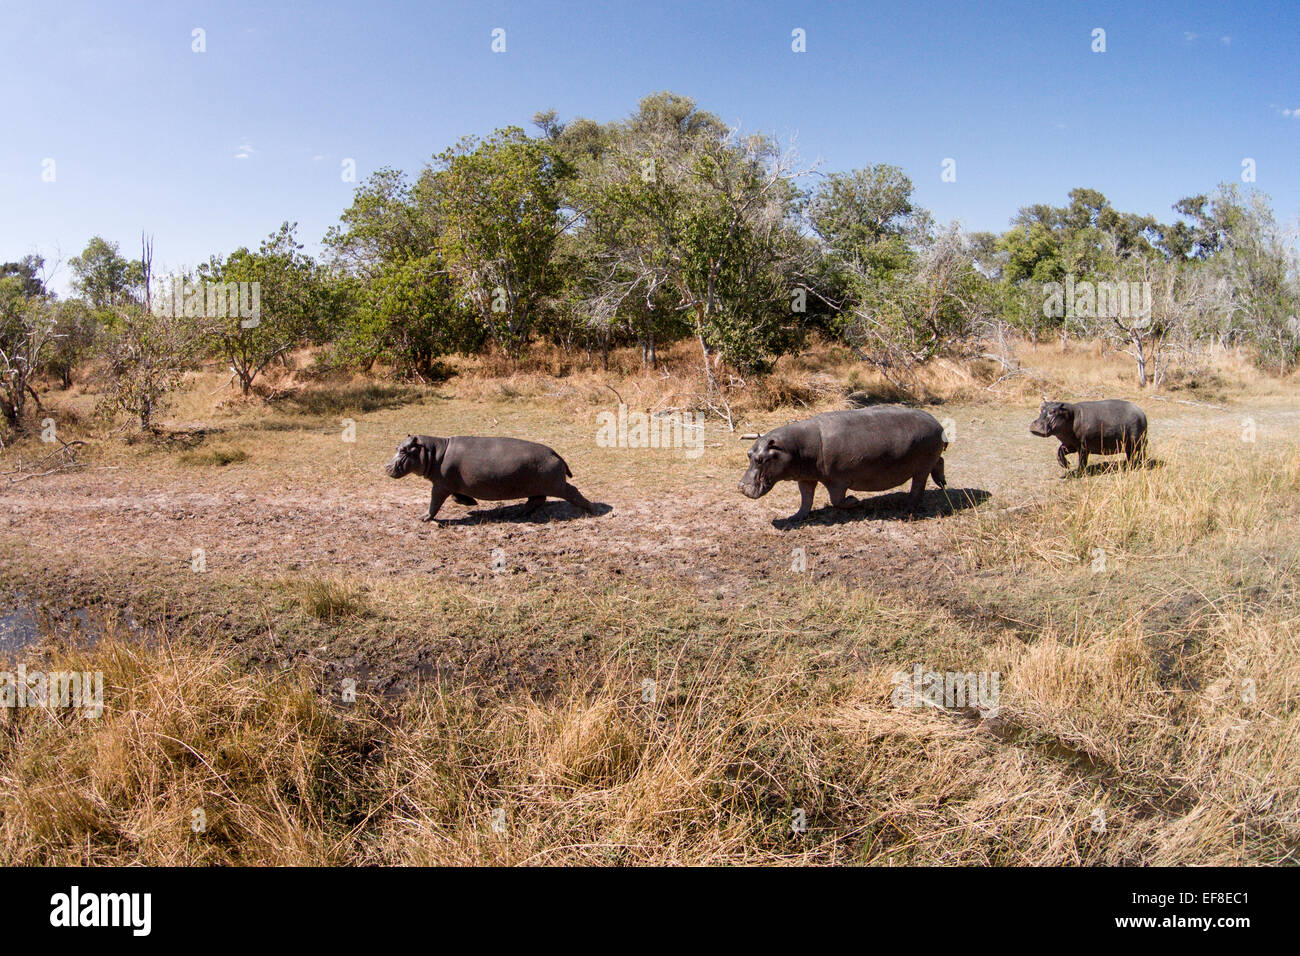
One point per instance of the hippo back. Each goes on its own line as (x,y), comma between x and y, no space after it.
(499,468)
(876,448)
(1108,426)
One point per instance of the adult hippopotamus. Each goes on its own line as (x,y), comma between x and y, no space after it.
(865,449)
(1093,428)
(495,469)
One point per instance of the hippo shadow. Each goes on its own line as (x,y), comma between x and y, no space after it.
(553,510)
(935,503)
(1113,466)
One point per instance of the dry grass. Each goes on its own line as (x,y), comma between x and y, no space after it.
(182,731)
(820,377)
(1191,759)
(825,372)
(1147,712)
(1182,499)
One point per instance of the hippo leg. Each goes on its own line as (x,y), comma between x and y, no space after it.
(1136,451)
(841,500)
(1083,460)
(806,489)
(937,474)
(533,503)
(917,490)
(1060,456)
(435,502)
(574,497)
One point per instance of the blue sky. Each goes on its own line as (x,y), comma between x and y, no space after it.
(209,151)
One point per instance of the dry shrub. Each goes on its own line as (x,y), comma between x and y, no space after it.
(822,376)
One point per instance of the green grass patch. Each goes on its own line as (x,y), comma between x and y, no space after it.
(214,457)
(351,399)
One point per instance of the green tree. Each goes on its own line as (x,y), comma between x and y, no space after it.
(497,206)
(26,334)
(74,332)
(284,286)
(904,316)
(1087,239)
(678,210)
(28,270)
(854,211)
(406,314)
(102,276)
(396,300)
(868,226)
(1257,266)
(383,225)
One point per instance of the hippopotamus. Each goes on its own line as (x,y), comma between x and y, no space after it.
(864,449)
(1093,428)
(495,469)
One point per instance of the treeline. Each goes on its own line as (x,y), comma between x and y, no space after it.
(661,227)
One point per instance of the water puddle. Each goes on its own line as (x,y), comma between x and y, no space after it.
(23,622)
(17,628)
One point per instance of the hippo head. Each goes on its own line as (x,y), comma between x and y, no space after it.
(407,459)
(1052,417)
(769,460)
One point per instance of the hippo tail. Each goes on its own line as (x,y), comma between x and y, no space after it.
(567,472)
(937,472)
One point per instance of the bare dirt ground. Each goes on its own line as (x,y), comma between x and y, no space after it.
(306,501)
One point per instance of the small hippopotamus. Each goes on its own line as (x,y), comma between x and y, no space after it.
(495,469)
(1093,428)
(864,449)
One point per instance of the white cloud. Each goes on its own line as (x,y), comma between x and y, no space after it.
(1189,36)
(1226,41)
(244,151)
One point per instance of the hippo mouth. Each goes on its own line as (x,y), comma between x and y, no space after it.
(396,469)
(755,486)
(1040,430)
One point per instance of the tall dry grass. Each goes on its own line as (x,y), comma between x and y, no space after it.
(1184,497)
(260,757)
(823,375)
(1105,750)
(1137,735)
